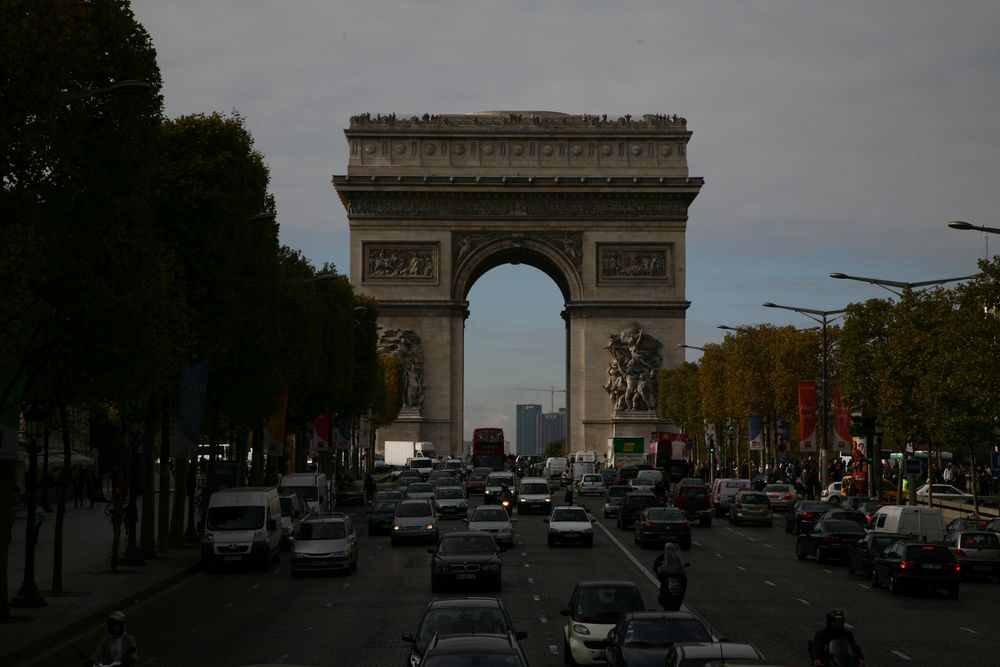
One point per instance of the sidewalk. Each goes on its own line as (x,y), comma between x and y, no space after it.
(91,590)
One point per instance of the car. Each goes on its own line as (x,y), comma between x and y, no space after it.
(625,473)
(869,507)
(639,484)
(802,517)
(695,500)
(592,484)
(494,486)
(994,526)
(293,512)
(414,521)
(381,515)
(907,565)
(466,557)
(971,522)
(438,475)
(391,494)
(450,501)
(608,475)
(657,525)
(642,638)
(473,650)
(420,491)
(782,496)
(943,492)
(494,520)
(724,489)
(862,553)
(751,507)
(450,482)
(408,474)
(832,493)
(534,495)
(632,506)
(460,616)
(828,537)
(325,543)
(616,496)
(404,483)
(476,482)
(699,654)
(351,493)
(593,610)
(843,514)
(570,525)
(977,551)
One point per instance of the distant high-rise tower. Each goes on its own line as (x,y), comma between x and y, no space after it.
(551,426)
(527,429)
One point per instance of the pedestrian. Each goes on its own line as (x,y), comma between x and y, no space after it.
(370,487)
(79,487)
(91,487)
(569,494)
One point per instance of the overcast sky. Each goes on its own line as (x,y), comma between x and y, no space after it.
(832,136)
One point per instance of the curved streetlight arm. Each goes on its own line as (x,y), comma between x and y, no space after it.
(958,224)
(691,347)
(128,86)
(811,313)
(900,284)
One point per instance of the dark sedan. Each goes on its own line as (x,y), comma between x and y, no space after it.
(862,553)
(473,651)
(380,517)
(829,537)
(847,515)
(351,494)
(643,638)
(466,557)
(928,566)
(657,525)
(804,515)
(460,616)
(632,507)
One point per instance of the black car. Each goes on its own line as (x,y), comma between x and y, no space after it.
(352,493)
(804,515)
(625,473)
(466,557)
(847,515)
(609,475)
(643,638)
(380,517)
(928,566)
(967,523)
(862,553)
(657,525)
(460,616)
(473,651)
(633,505)
(828,537)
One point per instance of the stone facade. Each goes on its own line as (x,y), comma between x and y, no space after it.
(598,204)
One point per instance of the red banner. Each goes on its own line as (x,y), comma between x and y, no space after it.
(841,422)
(807,416)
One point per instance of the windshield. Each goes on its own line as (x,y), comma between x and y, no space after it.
(980,540)
(467,544)
(640,501)
(304,492)
(322,530)
(462,621)
(535,487)
(570,515)
(664,632)
(421,463)
(665,515)
(385,507)
(489,514)
(753,499)
(605,605)
(413,509)
(472,660)
(242,517)
(497,480)
(450,492)
(618,491)
(422,487)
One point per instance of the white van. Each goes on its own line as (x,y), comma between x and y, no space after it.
(421,464)
(724,491)
(242,525)
(910,521)
(555,467)
(311,487)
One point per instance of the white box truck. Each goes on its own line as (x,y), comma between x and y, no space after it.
(424,448)
(398,452)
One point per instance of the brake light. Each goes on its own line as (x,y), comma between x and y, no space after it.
(958,568)
(739,505)
(788,496)
(806,515)
(960,553)
(685,525)
(649,524)
(907,564)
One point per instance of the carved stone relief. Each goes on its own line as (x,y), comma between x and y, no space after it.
(620,262)
(401,261)
(633,370)
(569,245)
(405,344)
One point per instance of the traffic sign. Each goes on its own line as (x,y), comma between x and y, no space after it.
(690,443)
(912,466)
(995,464)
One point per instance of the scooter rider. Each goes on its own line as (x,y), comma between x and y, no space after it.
(117,646)
(834,629)
(669,563)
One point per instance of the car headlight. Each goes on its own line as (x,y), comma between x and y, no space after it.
(521,500)
(396,526)
(548,500)
(581,629)
(208,536)
(442,568)
(491,567)
(259,534)
(487,492)
(430,526)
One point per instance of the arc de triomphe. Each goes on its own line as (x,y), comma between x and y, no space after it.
(599,204)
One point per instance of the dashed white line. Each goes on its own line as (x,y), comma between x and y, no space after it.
(256,586)
(329,604)
(752,539)
(741,568)
(347,585)
(865,586)
(770,583)
(828,571)
(697,544)
(805,602)
(527,565)
(543,619)
(970,630)
(902,655)
(524,553)
(537,599)
(718,555)
(553,649)
(767,545)
(530,580)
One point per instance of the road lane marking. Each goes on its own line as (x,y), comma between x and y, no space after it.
(828,571)
(256,586)
(530,580)
(524,553)
(543,619)
(537,599)
(718,555)
(805,602)
(767,545)
(347,585)
(741,568)
(752,539)
(553,649)
(527,565)
(635,561)
(697,544)
(329,604)
(962,627)
(902,655)
(770,583)
(865,586)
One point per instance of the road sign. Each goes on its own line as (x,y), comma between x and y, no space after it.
(912,466)
(690,443)
(995,464)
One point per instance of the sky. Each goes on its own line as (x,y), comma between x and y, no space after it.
(836,136)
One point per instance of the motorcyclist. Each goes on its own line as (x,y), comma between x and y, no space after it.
(669,563)
(506,495)
(116,647)
(834,629)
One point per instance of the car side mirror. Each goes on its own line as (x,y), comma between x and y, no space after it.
(409,639)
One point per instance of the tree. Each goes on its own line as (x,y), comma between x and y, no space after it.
(556,448)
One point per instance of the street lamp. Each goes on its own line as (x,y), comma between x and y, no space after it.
(823,318)
(34,427)
(900,284)
(690,347)
(726,327)
(965,226)
(125,87)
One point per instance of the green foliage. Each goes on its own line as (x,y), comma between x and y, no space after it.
(555,448)
(387,399)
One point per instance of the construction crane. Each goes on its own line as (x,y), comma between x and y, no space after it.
(552,394)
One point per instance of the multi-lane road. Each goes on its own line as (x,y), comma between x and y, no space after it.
(744,582)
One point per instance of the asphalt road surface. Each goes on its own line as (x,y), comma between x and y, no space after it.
(744,582)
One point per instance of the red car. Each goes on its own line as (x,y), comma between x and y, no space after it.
(695,500)
(476,483)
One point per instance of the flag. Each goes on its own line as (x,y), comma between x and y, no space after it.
(319,427)
(807,416)
(274,433)
(756,434)
(841,423)
(10,415)
(190,410)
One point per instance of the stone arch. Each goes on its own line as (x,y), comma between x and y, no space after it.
(511,249)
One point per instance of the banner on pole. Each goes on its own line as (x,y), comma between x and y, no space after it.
(841,423)
(274,433)
(756,434)
(807,416)
(319,427)
(186,434)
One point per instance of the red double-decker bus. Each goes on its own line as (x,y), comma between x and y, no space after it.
(488,449)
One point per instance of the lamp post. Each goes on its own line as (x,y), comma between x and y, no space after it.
(132,555)
(965,226)
(29,595)
(690,347)
(823,317)
(900,284)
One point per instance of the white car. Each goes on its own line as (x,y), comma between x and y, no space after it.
(534,495)
(592,484)
(493,519)
(594,609)
(570,525)
(450,501)
(943,492)
(831,494)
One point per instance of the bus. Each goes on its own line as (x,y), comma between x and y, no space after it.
(488,449)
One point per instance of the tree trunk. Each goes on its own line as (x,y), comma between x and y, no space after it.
(163,525)
(180,495)
(64,477)
(117,501)
(147,542)
(257,467)
(8,471)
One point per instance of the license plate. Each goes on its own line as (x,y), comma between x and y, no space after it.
(669,536)
(231,558)
(982,568)
(929,566)
(465,576)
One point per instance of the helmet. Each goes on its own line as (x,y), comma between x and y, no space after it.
(116,624)
(116,616)
(833,616)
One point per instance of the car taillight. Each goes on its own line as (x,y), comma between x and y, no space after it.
(907,564)
(788,496)
(958,568)
(960,553)
(739,506)
(685,525)
(649,524)
(806,515)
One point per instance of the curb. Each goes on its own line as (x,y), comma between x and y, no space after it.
(94,618)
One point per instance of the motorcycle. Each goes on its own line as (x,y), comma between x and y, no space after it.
(839,652)
(507,505)
(128,661)
(673,585)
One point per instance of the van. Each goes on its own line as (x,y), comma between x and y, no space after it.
(421,464)
(242,525)
(555,467)
(910,521)
(723,492)
(312,487)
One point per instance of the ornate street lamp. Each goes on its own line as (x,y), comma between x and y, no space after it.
(34,427)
